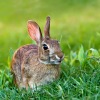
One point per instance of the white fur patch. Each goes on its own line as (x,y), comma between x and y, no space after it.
(57,57)
(44,62)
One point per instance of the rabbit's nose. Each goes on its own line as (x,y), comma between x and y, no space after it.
(60,56)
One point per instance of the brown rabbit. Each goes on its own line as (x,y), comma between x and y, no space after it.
(35,65)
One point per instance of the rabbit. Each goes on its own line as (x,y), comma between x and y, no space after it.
(35,65)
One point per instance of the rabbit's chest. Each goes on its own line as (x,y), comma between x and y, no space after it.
(45,74)
(40,73)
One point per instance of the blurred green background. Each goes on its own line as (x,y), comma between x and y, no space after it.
(73,22)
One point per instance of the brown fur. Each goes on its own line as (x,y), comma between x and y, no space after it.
(32,65)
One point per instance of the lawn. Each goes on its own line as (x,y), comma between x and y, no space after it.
(76,24)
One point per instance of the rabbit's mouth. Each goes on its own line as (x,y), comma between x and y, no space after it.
(55,61)
(52,60)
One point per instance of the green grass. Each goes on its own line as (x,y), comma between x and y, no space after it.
(73,22)
(79,80)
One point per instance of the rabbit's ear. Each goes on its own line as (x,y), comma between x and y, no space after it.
(34,31)
(47,28)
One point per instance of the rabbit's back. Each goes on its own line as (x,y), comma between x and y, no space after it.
(19,54)
(18,58)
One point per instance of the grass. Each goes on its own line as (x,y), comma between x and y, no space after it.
(73,22)
(79,80)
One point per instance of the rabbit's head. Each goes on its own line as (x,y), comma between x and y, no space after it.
(49,50)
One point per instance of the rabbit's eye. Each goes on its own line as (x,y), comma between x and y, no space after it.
(45,47)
